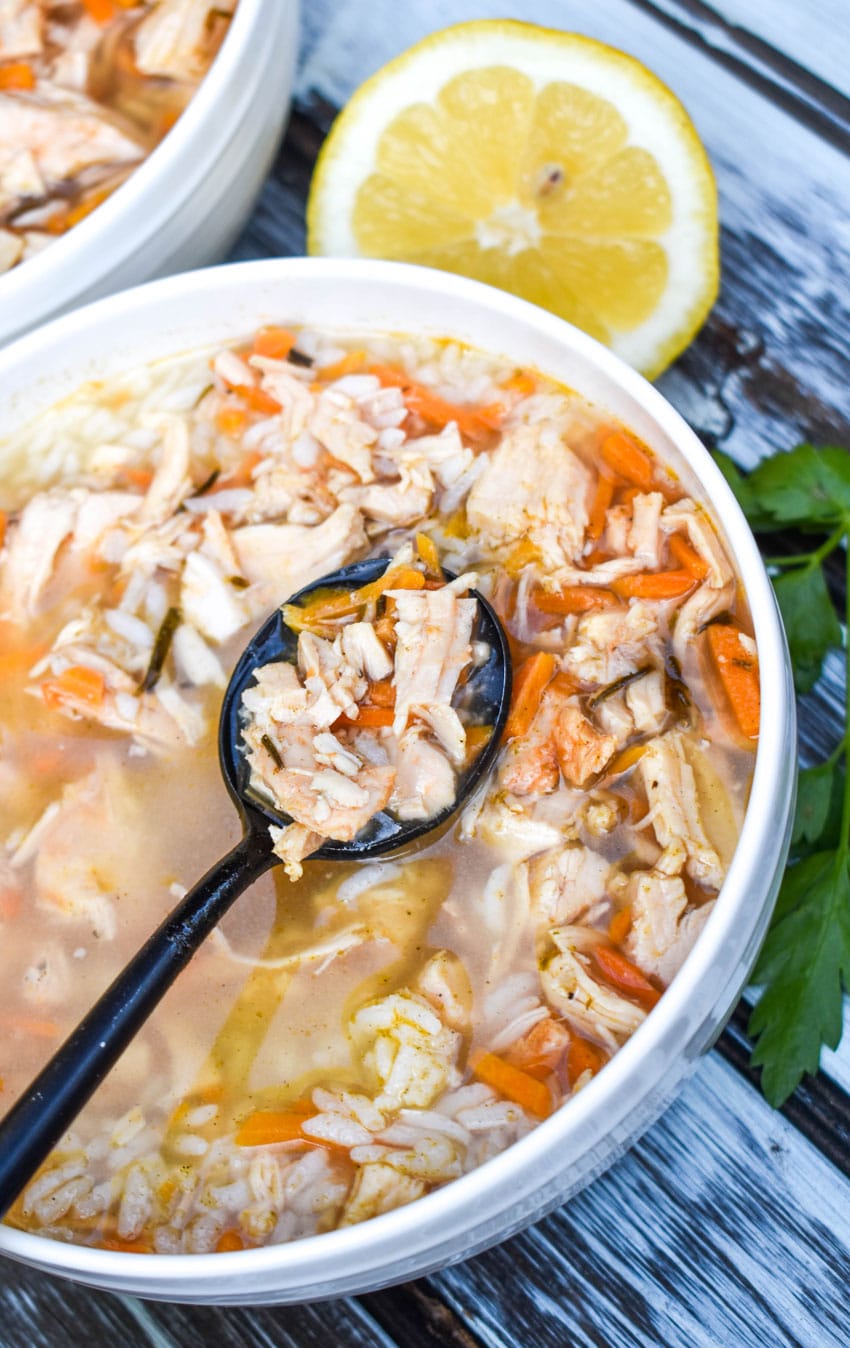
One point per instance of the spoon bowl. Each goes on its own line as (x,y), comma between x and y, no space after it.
(48,1107)
(486,698)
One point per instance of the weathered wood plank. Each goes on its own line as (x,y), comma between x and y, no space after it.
(41,1312)
(722,1226)
(325,1323)
(800,32)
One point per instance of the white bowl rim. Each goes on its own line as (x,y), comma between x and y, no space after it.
(94,232)
(397,1228)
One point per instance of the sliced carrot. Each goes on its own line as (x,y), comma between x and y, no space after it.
(19,659)
(350,364)
(11,899)
(574,599)
(4,524)
(520,382)
(371,716)
(473,422)
(620,926)
(626,759)
(582,1056)
(522,554)
(739,673)
(17,75)
(601,501)
(139,477)
(328,607)
(102,11)
(266,1127)
(477,736)
(231,420)
(628,460)
(513,1084)
(686,557)
(530,681)
(427,549)
(126,1246)
(540,1051)
(86,205)
(36,1026)
(654,585)
(241,475)
(78,683)
(625,975)
(382,693)
(274,343)
(229,1241)
(258,399)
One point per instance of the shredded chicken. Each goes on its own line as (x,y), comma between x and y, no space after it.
(533,487)
(674,811)
(662,932)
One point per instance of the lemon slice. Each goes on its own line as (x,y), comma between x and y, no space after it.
(543,162)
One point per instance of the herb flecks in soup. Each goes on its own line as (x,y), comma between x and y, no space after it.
(87,90)
(346,1043)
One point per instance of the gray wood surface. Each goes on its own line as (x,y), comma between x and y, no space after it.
(725,1225)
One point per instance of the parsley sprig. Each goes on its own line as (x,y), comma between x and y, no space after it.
(805,961)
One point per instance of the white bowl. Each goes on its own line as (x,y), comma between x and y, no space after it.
(184,206)
(591,1131)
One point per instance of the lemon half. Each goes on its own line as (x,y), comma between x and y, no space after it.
(543,162)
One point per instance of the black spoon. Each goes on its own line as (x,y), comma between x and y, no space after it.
(48,1107)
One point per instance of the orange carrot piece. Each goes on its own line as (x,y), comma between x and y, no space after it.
(522,554)
(625,760)
(473,422)
(126,1246)
(382,693)
(139,477)
(540,1051)
(102,11)
(4,524)
(582,1056)
(340,604)
(520,382)
(371,716)
(530,681)
(739,673)
(598,510)
(240,476)
(36,1026)
(686,557)
(654,585)
(350,364)
(266,1127)
(627,460)
(257,399)
(78,683)
(274,343)
(427,549)
(231,420)
(574,599)
(514,1084)
(17,75)
(229,1241)
(620,926)
(625,975)
(11,899)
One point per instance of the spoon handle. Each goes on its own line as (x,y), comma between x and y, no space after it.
(50,1104)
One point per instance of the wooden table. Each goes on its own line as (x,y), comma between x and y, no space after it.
(728,1224)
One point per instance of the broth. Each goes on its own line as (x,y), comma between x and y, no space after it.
(350,1040)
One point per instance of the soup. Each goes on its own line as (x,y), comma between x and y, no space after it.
(87,90)
(358,1035)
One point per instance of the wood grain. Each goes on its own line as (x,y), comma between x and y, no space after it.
(724,1225)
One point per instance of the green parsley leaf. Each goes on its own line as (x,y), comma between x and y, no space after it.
(817,818)
(810,622)
(804,961)
(743,492)
(805,487)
